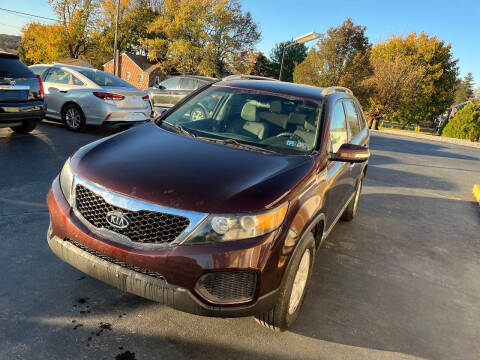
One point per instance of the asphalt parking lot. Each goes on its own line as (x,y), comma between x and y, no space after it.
(402,280)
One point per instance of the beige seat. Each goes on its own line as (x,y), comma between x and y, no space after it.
(307,133)
(252,125)
(274,115)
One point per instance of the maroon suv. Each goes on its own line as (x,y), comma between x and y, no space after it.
(219,216)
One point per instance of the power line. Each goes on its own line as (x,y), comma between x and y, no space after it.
(22,13)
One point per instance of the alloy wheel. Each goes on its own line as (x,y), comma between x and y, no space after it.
(73,118)
(300,282)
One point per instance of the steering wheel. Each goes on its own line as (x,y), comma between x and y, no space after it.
(291,136)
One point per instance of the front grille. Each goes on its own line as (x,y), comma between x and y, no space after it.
(228,287)
(144,226)
(115,261)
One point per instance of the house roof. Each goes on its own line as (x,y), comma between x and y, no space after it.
(140,60)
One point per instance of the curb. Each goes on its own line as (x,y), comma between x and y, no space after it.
(476,193)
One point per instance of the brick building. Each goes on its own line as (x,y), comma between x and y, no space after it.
(135,69)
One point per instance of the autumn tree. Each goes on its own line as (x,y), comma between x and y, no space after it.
(77,18)
(294,55)
(434,57)
(199,36)
(250,63)
(41,43)
(341,57)
(133,19)
(395,86)
(464,89)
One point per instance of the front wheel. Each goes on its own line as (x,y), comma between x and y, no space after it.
(25,127)
(294,287)
(73,118)
(351,209)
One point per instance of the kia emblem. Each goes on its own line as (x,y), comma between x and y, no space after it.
(117,220)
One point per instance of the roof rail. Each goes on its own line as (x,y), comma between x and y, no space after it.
(247,77)
(333,89)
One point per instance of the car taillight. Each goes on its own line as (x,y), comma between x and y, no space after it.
(145,97)
(108,96)
(42,92)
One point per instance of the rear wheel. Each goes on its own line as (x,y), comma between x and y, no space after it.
(25,127)
(73,118)
(351,209)
(294,286)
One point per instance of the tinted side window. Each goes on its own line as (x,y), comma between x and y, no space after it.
(171,84)
(76,81)
(361,117)
(11,67)
(38,70)
(58,76)
(352,118)
(338,127)
(188,84)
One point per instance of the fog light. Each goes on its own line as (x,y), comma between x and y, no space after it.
(227,287)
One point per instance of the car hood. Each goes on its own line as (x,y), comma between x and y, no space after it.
(178,171)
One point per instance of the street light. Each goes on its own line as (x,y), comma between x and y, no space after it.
(299,40)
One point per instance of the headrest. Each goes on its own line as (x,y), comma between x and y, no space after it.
(249,112)
(309,126)
(276,106)
(297,119)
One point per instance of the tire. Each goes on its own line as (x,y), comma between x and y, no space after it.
(25,127)
(351,209)
(197,113)
(282,316)
(73,118)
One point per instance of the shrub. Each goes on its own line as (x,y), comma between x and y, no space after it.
(465,124)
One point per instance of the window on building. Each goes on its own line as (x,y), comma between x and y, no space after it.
(127,75)
(140,78)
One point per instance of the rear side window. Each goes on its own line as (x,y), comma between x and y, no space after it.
(188,84)
(171,84)
(352,118)
(12,67)
(338,127)
(58,76)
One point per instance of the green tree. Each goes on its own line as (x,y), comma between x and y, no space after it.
(200,36)
(341,57)
(261,66)
(440,72)
(464,89)
(294,55)
(465,124)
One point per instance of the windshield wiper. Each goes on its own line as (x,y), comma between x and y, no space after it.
(229,141)
(180,129)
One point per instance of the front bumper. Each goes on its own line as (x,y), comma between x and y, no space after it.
(149,287)
(167,275)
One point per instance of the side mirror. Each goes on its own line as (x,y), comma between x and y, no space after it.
(157,113)
(351,153)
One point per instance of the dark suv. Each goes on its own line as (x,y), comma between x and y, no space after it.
(220,216)
(22,100)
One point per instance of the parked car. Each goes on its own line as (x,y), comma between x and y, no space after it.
(172,90)
(79,96)
(22,100)
(220,216)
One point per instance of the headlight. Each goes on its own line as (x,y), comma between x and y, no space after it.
(219,228)
(66,181)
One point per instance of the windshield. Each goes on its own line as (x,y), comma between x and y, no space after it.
(104,79)
(274,122)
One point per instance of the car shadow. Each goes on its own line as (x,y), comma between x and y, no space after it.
(417,147)
(384,284)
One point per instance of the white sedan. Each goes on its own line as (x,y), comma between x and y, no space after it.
(79,96)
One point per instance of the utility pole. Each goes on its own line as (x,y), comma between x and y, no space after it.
(115,41)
